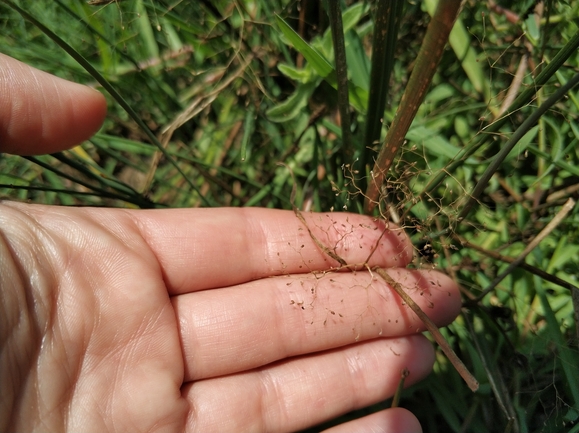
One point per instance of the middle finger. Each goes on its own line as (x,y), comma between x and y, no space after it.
(253,324)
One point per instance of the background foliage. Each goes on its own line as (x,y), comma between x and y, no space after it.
(228,93)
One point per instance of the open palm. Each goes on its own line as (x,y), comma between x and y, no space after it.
(195,319)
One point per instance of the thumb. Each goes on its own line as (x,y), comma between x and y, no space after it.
(40,113)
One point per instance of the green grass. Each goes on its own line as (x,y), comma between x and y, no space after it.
(227,91)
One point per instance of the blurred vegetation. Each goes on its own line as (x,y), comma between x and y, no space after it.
(227,90)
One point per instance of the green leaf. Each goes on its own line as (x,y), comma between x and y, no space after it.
(7,178)
(292,106)
(432,141)
(358,62)
(353,15)
(320,64)
(522,144)
(300,75)
(358,96)
(248,128)
(459,40)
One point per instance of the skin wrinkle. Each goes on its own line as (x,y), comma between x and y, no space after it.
(57,261)
(276,401)
(51,89)
(356,377)
(305,389)
(144,231)
(21,113)
(298,334)
(70,302)
(79,243)
(71,352)
(18,112)
(267,385)
(355,373)
(246,244)
(38,89)
(24,364)
(55,341)
(270,256)
(37,302)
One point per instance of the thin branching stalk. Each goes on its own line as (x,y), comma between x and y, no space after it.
(491,130)
(532,269)
(567,207)
(509,145)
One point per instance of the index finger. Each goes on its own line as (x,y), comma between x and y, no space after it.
(206,248)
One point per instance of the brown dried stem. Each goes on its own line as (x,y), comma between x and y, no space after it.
(432,328)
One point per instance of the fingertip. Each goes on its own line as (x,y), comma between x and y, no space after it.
(41,113)
(389,244)
(436,293)
(363,239)
(395,420)
(448,293)
(420,360)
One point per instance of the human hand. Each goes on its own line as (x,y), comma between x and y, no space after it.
(192,319)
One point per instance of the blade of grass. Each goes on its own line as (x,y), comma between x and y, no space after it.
(56,182)
(386,25)
(342,79)
(96,28)
(135,147)
(563,165)
(136,200)
(532,269)
(494,375)
(569,359)
(101,194)
(146,33)
(248,128)
(428,57)
(459,41)
(88,170)
(358,96)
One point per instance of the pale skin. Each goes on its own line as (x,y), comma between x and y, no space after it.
(195,320)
